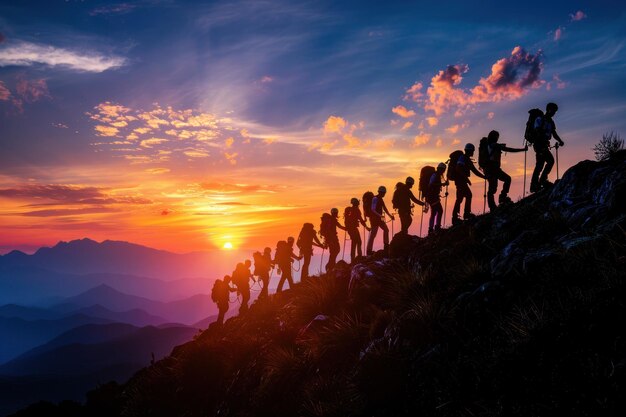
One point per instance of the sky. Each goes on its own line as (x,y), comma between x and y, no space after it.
(185,125)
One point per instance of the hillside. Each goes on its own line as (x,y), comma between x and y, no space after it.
(521,312)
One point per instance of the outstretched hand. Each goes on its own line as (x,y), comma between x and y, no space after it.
(561,143)
(525,148)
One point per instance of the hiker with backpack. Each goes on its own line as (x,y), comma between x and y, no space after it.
(489,160)
(377,211)
(220,294)
(328,231)
(352,217)
(241,278)
(463,168)
(283,257)
(401,201)
(306,239)
(540,128)
(433,198)
(262,267)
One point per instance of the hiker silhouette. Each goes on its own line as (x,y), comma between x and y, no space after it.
(328,231)
(283,257)
(490,155)
(220,294)
(464,168)
(433,198)
(262,267)
(241,278)
(378,209)
(352,218)
(401,201)
(306,239)
(544,129)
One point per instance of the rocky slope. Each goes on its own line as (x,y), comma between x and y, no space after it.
(521,312)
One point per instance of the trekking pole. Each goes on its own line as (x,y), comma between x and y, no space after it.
(421,214)
(557,160)
(364,243)
(485,197)
(321,259)
(343,252)
(445,207)
(525,153)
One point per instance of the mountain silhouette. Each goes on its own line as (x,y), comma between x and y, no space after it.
(86,256)
(187,311)
(515,313)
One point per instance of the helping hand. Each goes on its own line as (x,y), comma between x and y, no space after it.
(561,143)
(525,148)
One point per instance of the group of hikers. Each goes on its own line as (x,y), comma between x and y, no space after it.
(540,129)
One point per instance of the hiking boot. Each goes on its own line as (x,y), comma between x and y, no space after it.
(469,216)
(504,199)
(546,184)
(456,221)
(534,188)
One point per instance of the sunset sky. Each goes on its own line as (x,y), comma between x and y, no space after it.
(185,125)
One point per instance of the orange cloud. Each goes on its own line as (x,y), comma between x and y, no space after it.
(407,125)
(106,130)
(510,79)
(421,139)
(334,124)
(432,121)
(414,93)
(403,112)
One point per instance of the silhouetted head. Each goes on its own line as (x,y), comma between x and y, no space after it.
(334,212)
(267,250)
(469,149)
(493,136)
(354,201)
(290,240)
(409,182)
(551,109)
(248,263)
(382,190)
(441,167)
(227,278)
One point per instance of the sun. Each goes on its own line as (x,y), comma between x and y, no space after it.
(228,245)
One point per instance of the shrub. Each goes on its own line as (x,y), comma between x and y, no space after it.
(610,143)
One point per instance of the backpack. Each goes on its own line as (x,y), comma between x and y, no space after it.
(240,275)
(260,263)
(283,252)
(367,203)
(531,134)
(327,226)
(217,289)
(425,174)
(401,199)
(305,233)
(350,216)
(454,158)
(484,159)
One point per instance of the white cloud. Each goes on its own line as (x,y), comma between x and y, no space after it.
(27,54)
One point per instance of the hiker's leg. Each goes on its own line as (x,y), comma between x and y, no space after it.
(370,241)
(539,161)
(439,210)
(549,164)
(459,198)
(506,182)
(385,230)
(492,180)
(305,266)
(468,200)
(281,282)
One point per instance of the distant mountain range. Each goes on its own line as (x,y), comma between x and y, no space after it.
(84,357)
(76,266)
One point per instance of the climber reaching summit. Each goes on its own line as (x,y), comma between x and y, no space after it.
(538,133)
(464,168)
(378,209)
(489,160)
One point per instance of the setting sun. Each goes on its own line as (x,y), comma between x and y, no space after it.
(228,245)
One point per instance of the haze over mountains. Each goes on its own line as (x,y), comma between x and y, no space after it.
(82,313)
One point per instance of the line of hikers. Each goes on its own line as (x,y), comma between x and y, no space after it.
(540,128)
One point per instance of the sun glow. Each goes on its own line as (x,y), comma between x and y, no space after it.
(228,245)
